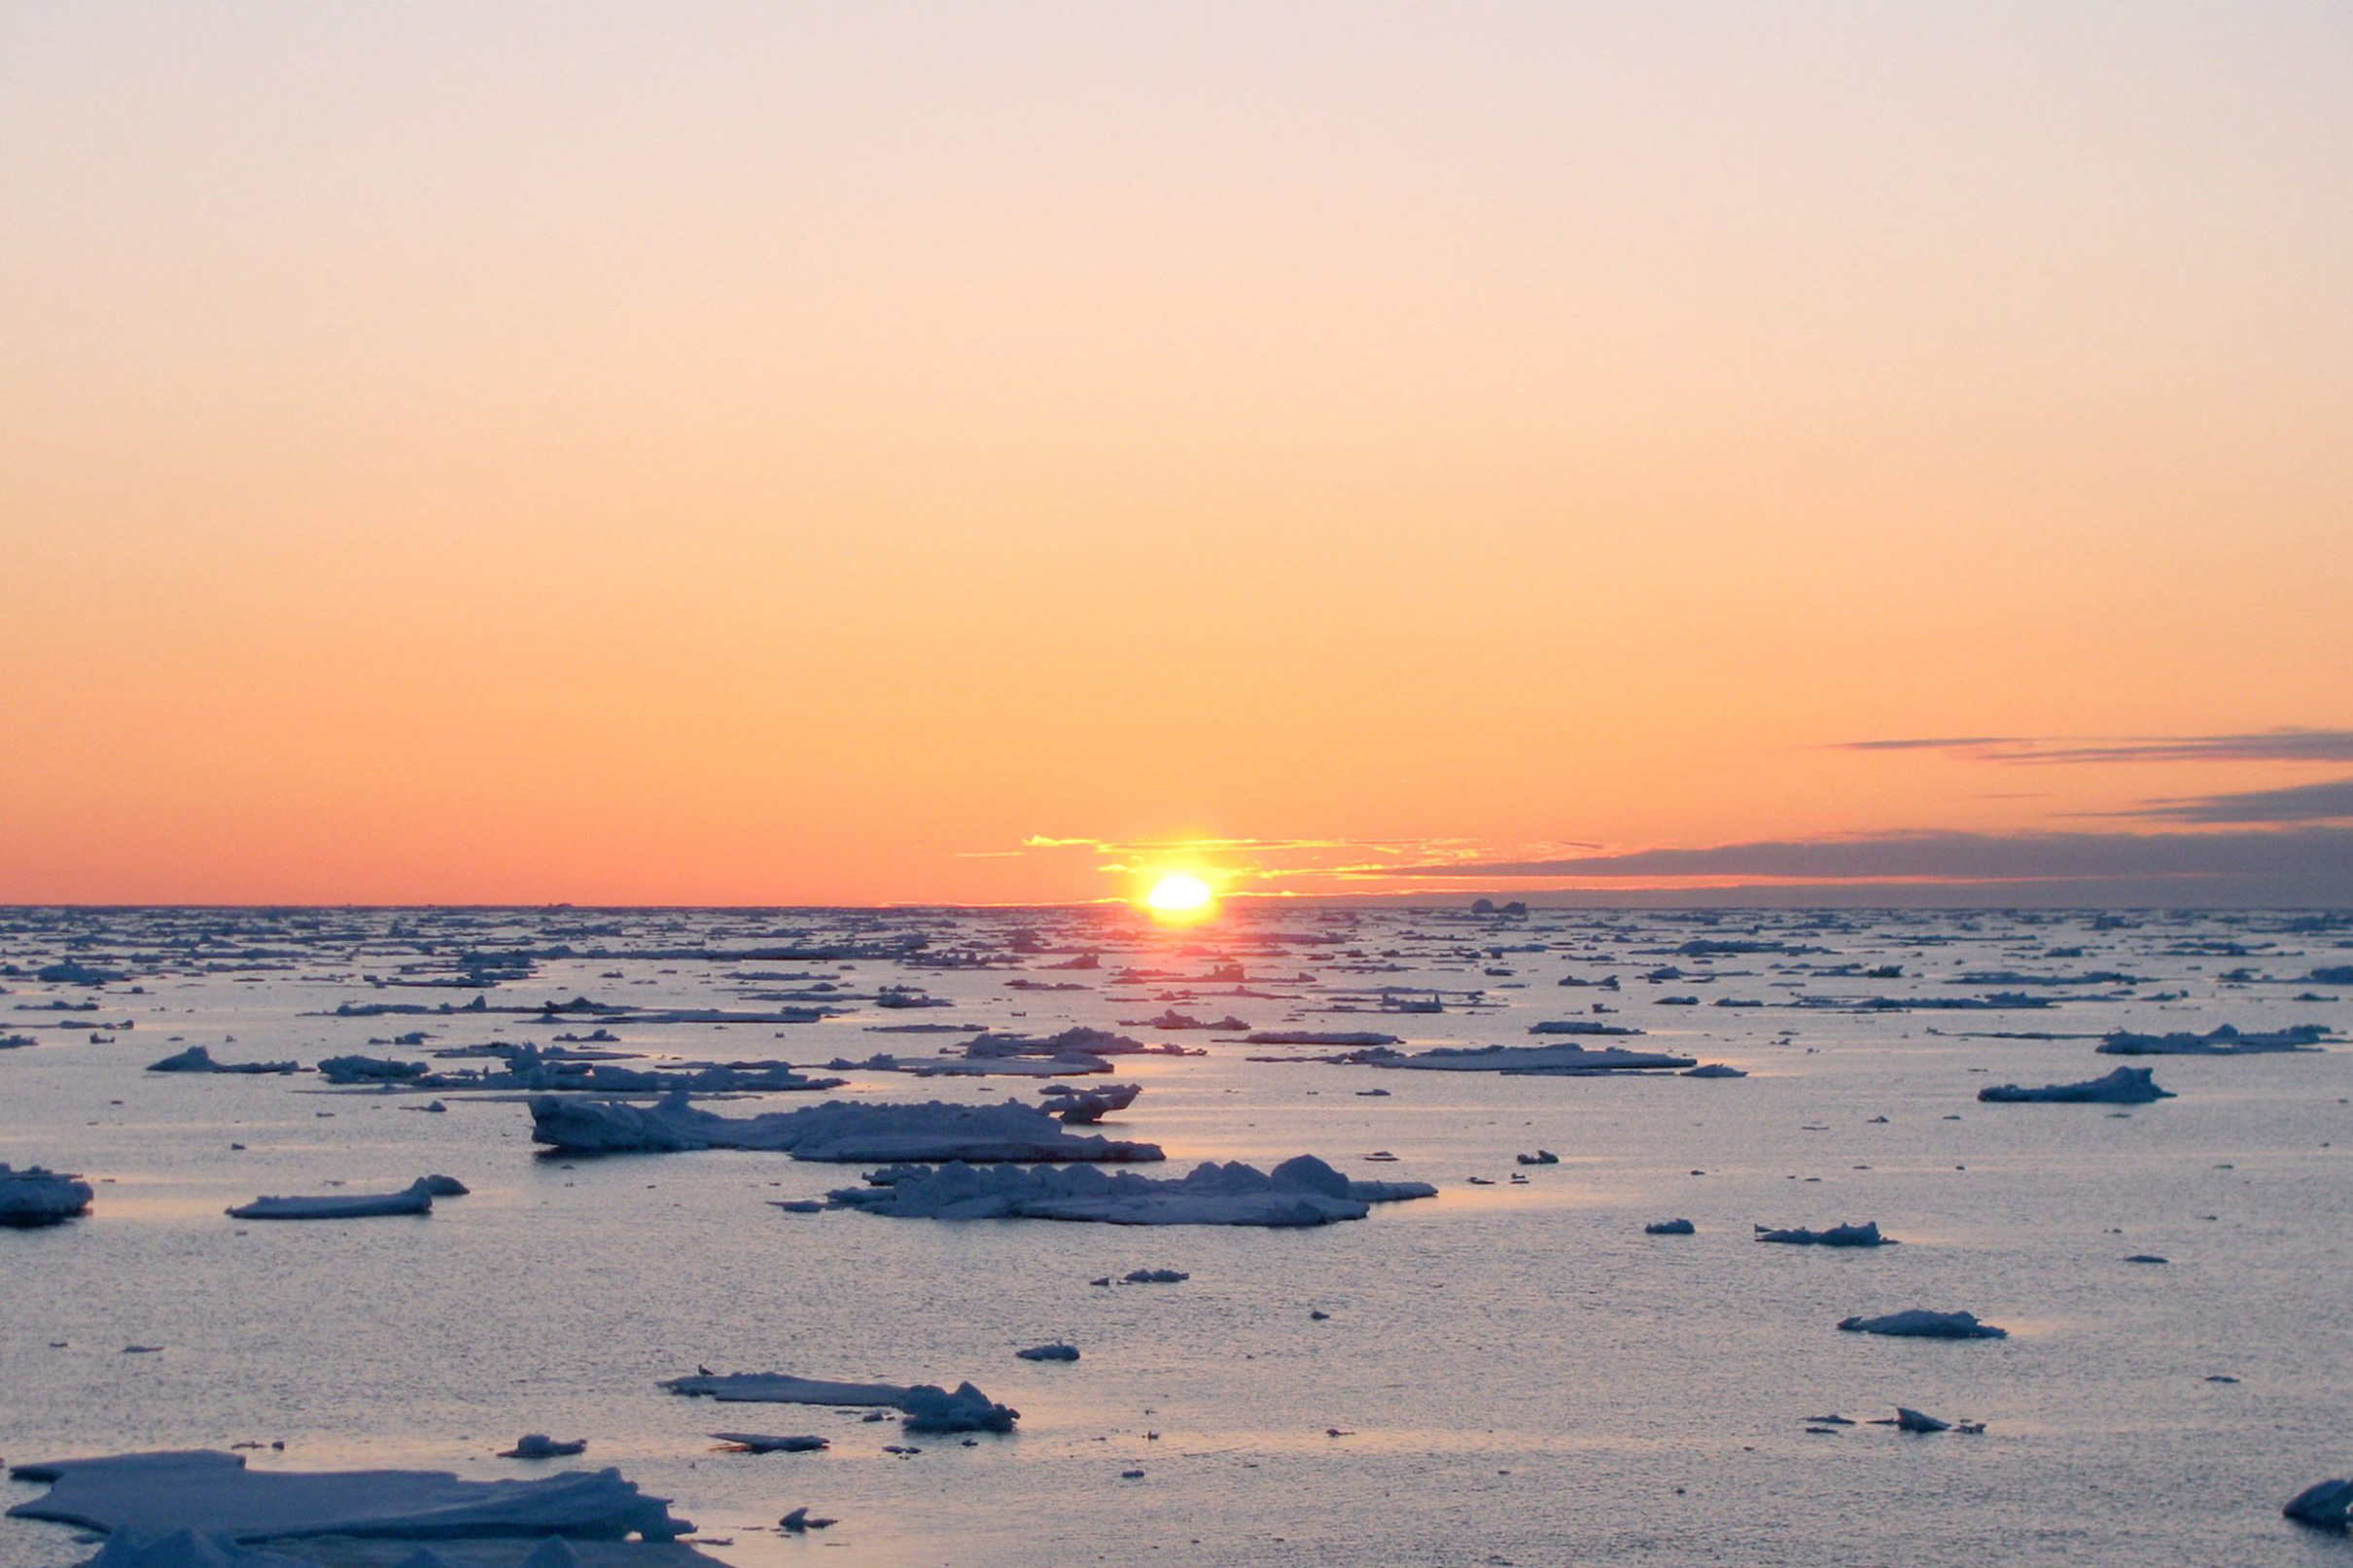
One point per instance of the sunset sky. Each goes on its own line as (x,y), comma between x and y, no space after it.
(841,453)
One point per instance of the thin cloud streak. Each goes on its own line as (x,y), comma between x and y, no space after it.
(2331,800)
(2288,744)
(2297,856)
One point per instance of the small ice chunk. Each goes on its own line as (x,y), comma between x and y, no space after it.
(1049,1352)
(764,1442)
(2328,1503)
(1920,1324)
(1866,1235)
(1670,1228)
(540,1446)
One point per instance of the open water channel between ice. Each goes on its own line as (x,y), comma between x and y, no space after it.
(1517,1373)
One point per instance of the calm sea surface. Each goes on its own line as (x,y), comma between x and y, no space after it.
(1517,1373)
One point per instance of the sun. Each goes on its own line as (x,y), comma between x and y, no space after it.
(1180,895)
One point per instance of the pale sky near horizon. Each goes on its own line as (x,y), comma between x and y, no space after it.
(753,453)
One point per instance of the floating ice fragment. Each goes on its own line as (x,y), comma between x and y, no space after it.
(414,1198)
(837,1131)
(1866,1235)
(2126,1086)
(540,1446)
(1919,1324)
(1301,1191)
(2328,1503)
(34,1196)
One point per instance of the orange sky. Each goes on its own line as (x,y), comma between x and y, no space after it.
(758,454)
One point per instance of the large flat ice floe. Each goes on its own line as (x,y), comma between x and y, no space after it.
(34,1196)
(414,1198)
(839,1131)
(2220,1042)
(197,1059)
(926,1407)
(214,1494)
(1300,1191)
(2126,1086)
(1567,1057)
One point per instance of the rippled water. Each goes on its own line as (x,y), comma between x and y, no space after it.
(1519,1373)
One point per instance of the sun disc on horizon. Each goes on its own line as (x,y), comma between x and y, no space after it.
(1178,893)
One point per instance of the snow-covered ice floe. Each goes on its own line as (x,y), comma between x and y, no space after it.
(2126,1086)
(1920,1324)
(926,1407)
(1300,1191)
(839,1131)
(214,1494)
(2222,1041)
(1866,1235)
(34,1196)
(414,1198)
(1562,1059)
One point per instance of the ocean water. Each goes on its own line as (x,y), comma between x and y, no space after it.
(1517,1374)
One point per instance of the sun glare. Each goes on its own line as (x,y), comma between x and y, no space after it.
(1179,893)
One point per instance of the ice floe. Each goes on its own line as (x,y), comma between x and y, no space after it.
(540,1446)
(1562,1059)
(924,1407)
(214,1494)
(197,1059)
(841,1131)
(1919,1323)
(1301,1191)
(414,1198)
(33,1197)
(2328,1503)
(1866,1235)
(2222,1041)
(2126,1086)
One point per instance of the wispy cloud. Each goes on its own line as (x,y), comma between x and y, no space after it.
(2284,745)
(2299,858)
(2330,800)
